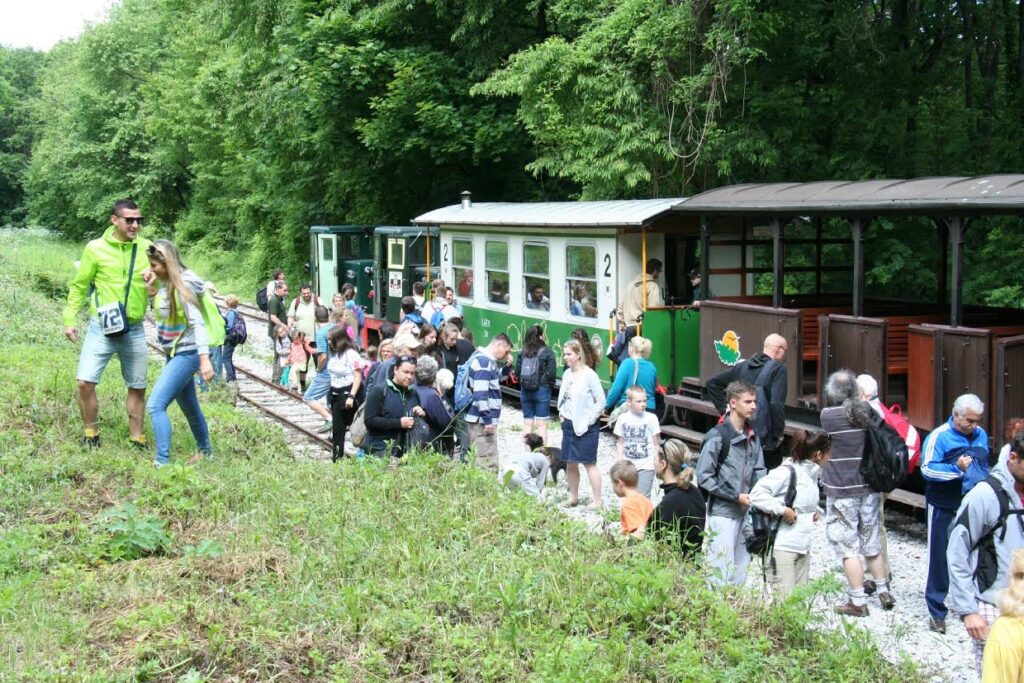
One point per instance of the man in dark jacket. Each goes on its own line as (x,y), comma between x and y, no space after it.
(770,425)
(391,407)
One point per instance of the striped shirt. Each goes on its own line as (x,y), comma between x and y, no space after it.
(484,382)
(841,476)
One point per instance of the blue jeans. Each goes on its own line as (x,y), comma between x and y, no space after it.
(176,384)
(215,357)
(227,359)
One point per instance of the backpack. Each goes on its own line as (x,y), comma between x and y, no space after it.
(262,300)
(893,416)
(216,323)
(766,526)
(236,334)
(359,312)
(463,392)
(885,460)
(437,319)
(723,453)
(295,304)
(761,422)
(987,570)
(529,373)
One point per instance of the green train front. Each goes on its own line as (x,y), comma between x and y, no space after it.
(564,265)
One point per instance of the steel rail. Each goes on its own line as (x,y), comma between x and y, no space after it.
(320,441)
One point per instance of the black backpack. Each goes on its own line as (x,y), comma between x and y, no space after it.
(236,334)
(529,373)
(886,459)
(762,420)
(987,570)
(723,453)
(261,299)
(766,526)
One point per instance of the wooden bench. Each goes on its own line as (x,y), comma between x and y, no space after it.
(811,329)
(690,437)
(897,339)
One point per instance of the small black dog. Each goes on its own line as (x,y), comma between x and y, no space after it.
(554,454)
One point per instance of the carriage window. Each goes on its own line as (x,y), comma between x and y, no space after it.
(327,249)
(496,267)
(396,253)
(462,265)
(348,246)
(536,280)
(581,269)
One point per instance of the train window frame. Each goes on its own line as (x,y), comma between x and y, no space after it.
(462,267)
(327,248)
(396,264)
(489,271)
(530,278)
(573,280)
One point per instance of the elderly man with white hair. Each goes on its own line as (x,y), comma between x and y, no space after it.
(955,458)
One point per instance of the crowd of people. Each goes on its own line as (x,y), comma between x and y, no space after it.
(426,385)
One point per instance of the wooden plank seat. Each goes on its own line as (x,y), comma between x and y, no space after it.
(703,407)
(897,339)
(811,330)
(690,437)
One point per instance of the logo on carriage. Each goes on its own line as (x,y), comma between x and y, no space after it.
(728,349)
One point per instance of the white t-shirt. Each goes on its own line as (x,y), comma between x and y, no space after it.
(637,432)
(343,368)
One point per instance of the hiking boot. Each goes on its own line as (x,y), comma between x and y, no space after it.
(852,610)
(937,625)
(91,441)
(888,602)
(325,427)
(869,587)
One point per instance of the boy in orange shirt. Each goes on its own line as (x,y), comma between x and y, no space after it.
(636,507)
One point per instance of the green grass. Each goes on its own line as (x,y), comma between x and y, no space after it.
(254,566)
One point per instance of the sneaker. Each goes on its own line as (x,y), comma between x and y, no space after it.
(91,441)
(888,602)
(137,445)
(869,587)
(326,427)
(937,625)
(157,464)
(852,610)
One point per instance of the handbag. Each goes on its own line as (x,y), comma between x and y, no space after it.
(113,317)
(624,406)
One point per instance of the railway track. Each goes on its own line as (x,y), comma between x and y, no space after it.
(279,404)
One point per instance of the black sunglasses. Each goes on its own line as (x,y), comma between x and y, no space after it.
(133,219)
(406,359)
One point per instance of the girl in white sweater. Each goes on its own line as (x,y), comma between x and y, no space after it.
(790,563)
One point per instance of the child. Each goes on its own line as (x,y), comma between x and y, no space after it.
(528,471)
(639,437)
(282,348)
(636,509)
(297,359)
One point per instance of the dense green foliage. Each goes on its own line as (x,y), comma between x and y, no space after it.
(239,123)
(253,566)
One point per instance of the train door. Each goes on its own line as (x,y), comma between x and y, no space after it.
(395,284)
(355,266)
(327,269)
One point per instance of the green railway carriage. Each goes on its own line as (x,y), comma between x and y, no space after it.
(565,265)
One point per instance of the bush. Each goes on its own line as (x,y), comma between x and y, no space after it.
(134,534)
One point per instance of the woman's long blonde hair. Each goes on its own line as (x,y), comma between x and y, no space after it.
(681,460)
(1011,603)
(166,253)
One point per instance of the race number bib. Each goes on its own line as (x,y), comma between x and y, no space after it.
(113,319)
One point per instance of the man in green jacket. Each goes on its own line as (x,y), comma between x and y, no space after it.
(101,279)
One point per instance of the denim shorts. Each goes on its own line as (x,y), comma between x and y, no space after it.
(536,403)
(319,387)
(98,348)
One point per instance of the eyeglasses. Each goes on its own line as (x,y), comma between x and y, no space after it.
(153,252)
(406,359)
(133,219)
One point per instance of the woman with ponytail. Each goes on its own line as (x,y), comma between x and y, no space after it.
(182,334)
(790,562)
(680,516)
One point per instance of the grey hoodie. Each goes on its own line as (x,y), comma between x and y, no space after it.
(978,514)
(739,472)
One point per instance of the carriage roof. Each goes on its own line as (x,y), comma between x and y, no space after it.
(617,213)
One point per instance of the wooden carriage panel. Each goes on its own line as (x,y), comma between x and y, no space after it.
(1007,382)
(922,376)
(856,343)
(750,324)
(966,365)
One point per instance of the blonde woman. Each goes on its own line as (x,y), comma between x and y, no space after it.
(580,402)
(1004,651)
(681,513)
(635,370)
(183,337)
